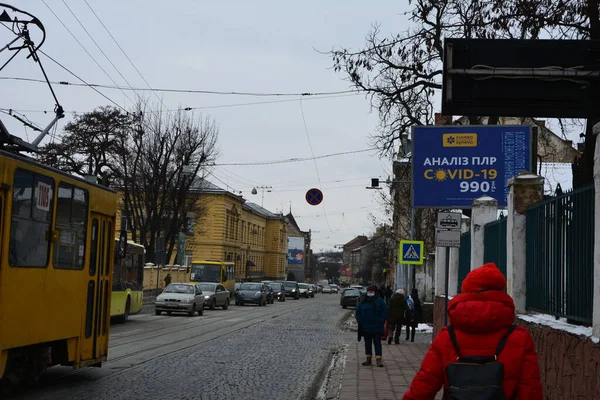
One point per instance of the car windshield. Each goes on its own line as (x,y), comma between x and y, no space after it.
(351,292)
(275,286)
(179,288)
(208,287)
(303,286)
(206,273)
(326,287)
(290,284)
(250,286)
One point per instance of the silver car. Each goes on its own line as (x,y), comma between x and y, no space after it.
(303,289)
(180,297)
(215,295)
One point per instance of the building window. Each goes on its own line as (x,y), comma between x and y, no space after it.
(71,224)
(31,217)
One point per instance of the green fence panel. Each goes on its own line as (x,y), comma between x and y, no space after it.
(560,255)
(494,242)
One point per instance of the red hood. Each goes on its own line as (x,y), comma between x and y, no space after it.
(483,312)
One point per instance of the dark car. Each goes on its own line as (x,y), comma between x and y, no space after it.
(349,298)
(270,293)
(291,289)
(278,290)
(250,292)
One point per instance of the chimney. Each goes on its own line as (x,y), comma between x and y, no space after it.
(442,119)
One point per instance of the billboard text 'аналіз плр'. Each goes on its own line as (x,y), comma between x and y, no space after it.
(454,165)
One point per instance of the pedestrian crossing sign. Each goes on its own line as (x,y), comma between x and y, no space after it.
(411,252)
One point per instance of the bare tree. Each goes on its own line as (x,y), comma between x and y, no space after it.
(401,74)
(89,142)
(159,165)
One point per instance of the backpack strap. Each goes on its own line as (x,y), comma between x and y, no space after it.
(503,340)
(453,339)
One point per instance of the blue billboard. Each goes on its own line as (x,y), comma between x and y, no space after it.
(454,165)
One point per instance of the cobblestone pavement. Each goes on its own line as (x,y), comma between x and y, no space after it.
(275,352)
(349,380)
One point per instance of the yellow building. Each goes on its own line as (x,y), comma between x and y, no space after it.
(229,228)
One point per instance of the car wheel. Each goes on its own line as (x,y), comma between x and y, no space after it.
(213,304)
(226,305)
(169,313)
(191,313)
(157,312)
(125,316)
(344,306)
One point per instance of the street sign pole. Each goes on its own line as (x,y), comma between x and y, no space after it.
(447,234)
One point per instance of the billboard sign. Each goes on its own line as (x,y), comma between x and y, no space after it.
(295,250)
(454,165)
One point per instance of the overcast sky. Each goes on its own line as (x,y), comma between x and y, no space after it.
(242,46)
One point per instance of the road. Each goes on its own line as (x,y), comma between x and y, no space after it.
(273,352)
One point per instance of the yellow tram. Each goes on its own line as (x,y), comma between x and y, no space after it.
(56,268)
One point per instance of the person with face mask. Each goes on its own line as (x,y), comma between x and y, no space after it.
(371,314)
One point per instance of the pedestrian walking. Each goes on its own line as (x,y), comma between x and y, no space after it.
(396,315)
(481,354)
(371,314)
(168,279)
(414,314)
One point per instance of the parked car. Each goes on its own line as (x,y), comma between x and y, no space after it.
(312,289)
(215,295)
(291,289)
(303,290)
(251,292)
(180,297)
(349,298)
(278,290)
(270,293)
(327,289)
(319,288)
(334,288)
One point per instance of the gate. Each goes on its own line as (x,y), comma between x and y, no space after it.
(494,242)
(464,258)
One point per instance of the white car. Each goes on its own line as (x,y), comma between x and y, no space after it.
(334,288)
(327,289)
(180,297)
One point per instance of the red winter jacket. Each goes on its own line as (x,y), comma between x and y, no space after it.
(480,319)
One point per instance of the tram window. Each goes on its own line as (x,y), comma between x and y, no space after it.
(94,247)
(31,217)
(71,224)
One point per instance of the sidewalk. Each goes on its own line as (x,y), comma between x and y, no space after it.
(401,363)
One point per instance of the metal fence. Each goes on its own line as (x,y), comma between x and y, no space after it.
(494,242)
(560,255)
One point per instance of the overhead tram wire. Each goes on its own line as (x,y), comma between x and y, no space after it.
(315,162)
(99,48)
(291,160)
(124,53)
(87,52)
(197,91)
(186,108)
(84,82)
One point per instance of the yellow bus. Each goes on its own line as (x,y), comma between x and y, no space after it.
(128,281)
(56,256)
(214,271)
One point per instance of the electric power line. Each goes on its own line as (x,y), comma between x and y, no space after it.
(98,46)
(291,160)
(84,49)
(195,91)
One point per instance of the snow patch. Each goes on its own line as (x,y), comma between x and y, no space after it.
(560,324)
(425,328)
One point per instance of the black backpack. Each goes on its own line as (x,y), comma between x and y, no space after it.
(476,378)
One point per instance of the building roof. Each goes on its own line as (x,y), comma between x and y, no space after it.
(263,212)
(292,221)
(201,185)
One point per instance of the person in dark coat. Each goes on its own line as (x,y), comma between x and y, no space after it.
(396,316)
(388,294)
(371,314)
(414,314)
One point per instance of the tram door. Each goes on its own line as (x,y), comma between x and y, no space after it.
(96,323)
(2,197)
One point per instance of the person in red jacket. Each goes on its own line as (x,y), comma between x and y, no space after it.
(480,316)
